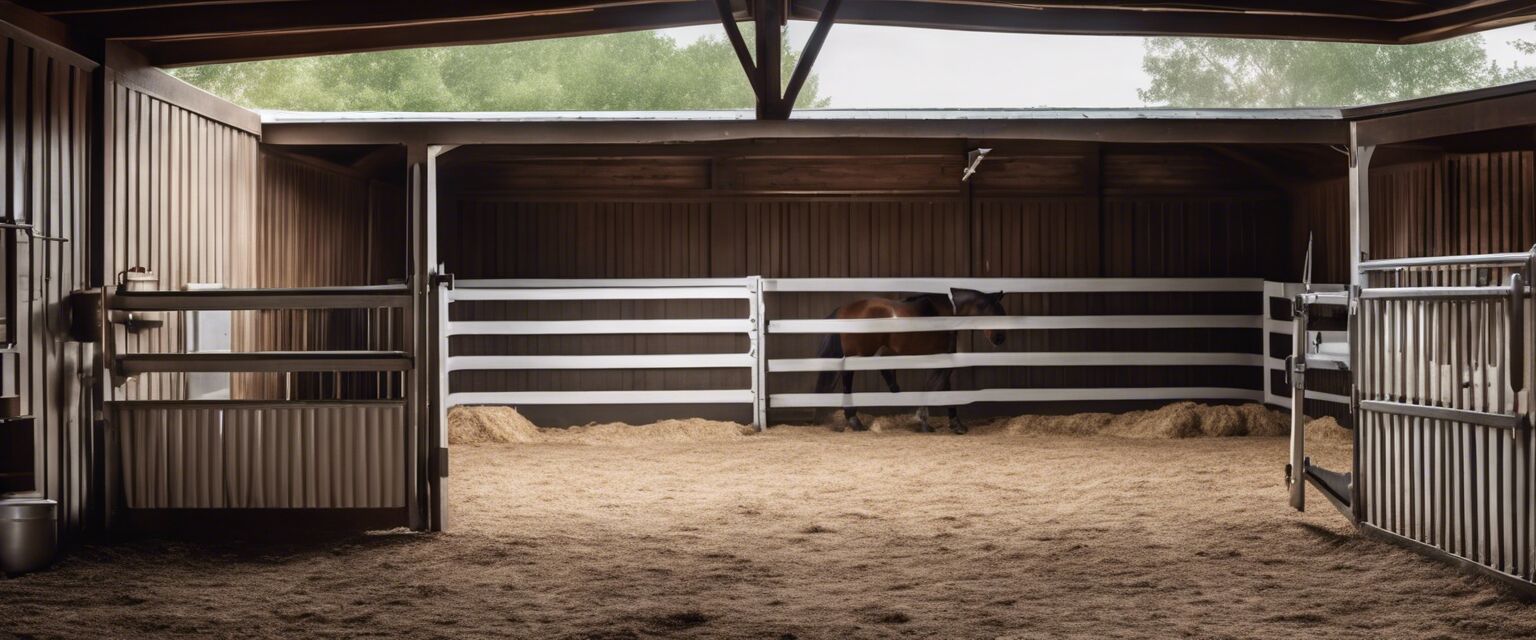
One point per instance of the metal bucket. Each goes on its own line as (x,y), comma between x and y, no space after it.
(29,530)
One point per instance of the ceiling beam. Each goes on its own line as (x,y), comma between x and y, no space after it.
(290,44)
(809,53)
(1091,21)
(288,16)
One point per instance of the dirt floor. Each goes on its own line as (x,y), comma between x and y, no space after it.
(1021,529)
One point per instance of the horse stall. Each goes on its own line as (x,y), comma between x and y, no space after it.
(674,374)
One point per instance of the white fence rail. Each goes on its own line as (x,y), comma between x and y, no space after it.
(1329,341)
(756,291)
(748,289)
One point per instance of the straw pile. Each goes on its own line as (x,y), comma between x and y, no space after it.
(504,425)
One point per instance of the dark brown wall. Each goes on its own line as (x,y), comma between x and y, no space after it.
(1450,204)
(45,140)
(894,208)
(319,223)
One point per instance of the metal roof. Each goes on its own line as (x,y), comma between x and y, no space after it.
(296,117)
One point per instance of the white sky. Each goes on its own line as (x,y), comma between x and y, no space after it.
(875,67)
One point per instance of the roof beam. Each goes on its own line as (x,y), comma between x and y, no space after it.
(290,16)
(1095,21)
(613,19)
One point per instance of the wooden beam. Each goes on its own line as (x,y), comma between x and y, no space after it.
(1467,19)
(1516,110)
(808,55)
(172,53)
(664,131)
(738,43)
(131,70)
(1014,19)
(286,16)
(768,16)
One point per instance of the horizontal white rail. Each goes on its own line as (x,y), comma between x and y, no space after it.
(1013,285)
(515,398)
(956,398)
(962,323)
(1015,359)
(577,283)
(605,293)
(664,361)
(596,327)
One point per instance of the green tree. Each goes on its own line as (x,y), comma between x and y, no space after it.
(1219,72)
(638,71)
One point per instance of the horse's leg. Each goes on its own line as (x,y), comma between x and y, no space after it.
(922,412)
(890,380)
(955,425)
(851,414)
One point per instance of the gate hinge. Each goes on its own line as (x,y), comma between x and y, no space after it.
(444,280)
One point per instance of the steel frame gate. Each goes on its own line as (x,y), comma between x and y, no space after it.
(1443,457)
(1443,445)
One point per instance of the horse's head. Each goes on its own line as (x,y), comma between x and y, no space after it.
(970,302)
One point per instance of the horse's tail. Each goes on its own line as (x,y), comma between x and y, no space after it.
(831,347)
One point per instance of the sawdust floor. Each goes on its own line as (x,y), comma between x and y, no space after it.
(805,533)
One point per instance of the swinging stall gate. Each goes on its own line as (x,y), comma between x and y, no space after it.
(1443,461)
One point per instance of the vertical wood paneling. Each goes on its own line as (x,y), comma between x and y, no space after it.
(183,206)
(45,140)
(318,224)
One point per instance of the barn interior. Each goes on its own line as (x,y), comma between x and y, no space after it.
(335,232)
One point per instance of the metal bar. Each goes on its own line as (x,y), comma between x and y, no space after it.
(1298,378)
(514,398)
(264,361)
(243,299)
(596,283)
(966,323)
(956,398)
(1016,359)
(1482,260)
(1437,293)
(596,327)
(759,355)
(658,361)
(610,293)
(1014,285)
(1495,420)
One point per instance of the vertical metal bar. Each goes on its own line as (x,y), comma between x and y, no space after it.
(1298,374)
(759,350)
(1359,202)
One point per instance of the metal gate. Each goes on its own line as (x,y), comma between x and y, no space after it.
(1443,458)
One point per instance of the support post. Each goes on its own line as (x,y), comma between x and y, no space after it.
(759,356)
(1298,375)
(434,353)
(416,450)
(1359,202)
(768,17)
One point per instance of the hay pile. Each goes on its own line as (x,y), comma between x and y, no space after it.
(504,425)
(1178,420)
(1327,430)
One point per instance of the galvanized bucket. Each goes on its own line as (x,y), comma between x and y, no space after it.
(29,534)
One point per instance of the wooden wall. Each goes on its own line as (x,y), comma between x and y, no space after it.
(894,208)
(181,199)
(319,223)
(45,167)
(1447,204)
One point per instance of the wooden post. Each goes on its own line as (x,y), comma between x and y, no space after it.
(768,16)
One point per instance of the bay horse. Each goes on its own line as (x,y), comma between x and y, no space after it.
(959,302)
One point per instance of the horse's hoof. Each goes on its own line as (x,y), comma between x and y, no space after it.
(958,429)
(925,428)
(857,425)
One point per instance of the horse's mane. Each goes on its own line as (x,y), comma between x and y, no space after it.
(932,303)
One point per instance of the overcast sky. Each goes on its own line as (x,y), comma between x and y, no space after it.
(874,67)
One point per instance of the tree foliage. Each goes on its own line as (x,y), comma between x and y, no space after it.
(1218,72)
(637,71)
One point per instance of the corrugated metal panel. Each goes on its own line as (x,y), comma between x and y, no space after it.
(45,140)
(182,203)
(256,455)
